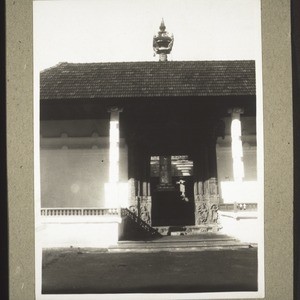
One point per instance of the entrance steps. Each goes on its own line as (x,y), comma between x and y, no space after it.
(190,243)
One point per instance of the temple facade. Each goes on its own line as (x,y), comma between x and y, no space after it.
(172,143)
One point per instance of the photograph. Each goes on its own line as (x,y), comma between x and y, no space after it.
(149,165)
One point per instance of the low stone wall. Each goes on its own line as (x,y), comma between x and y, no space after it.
(77,231)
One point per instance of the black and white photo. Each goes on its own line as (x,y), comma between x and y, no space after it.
(148,149)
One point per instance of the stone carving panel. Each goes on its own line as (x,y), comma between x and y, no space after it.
(213,216)
(205,212)
(132,192)
(145,209)
(202,213)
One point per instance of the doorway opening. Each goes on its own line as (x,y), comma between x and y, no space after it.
(172,190)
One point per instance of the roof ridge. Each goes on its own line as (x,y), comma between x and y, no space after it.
(154,62)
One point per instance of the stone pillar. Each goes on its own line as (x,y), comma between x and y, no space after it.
(207,197)
(149,188)
(236,144)
(145,189)
(132,182)
(145,199)
(114,141)
(112,197)
(196,191)
(198,171)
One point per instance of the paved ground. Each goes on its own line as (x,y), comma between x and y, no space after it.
(97,271)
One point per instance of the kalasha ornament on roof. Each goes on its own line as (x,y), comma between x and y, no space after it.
(163,42)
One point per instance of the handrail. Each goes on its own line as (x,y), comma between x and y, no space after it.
(78,211)
(125,212)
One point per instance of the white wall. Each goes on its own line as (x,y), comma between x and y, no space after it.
(78,231)
(243,226)
(76,177)
(75,162)
(244,192)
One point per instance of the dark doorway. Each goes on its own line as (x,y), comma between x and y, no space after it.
(173,205)
(168,207)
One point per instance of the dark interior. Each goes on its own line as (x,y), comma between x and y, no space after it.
(168,207)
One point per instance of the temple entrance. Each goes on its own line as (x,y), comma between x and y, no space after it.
(172,171)
(172,190)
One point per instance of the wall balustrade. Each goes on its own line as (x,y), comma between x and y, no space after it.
(49,212)
(238,207)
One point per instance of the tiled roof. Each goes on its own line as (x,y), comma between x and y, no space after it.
(148,79)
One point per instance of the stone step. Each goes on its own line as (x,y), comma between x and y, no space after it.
(179,248)
(175,241)
(183,245)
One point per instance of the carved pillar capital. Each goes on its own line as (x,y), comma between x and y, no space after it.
(114,112)
(236,112)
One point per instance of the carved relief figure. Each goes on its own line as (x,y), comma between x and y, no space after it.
(133,208)
(214,214)
(145,216)
(202,213)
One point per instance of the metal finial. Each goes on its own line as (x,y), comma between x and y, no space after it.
(162,26)
(163,42)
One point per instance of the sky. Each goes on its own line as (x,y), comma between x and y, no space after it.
(122,30)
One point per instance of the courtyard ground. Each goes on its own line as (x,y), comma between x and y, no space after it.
(77,271)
